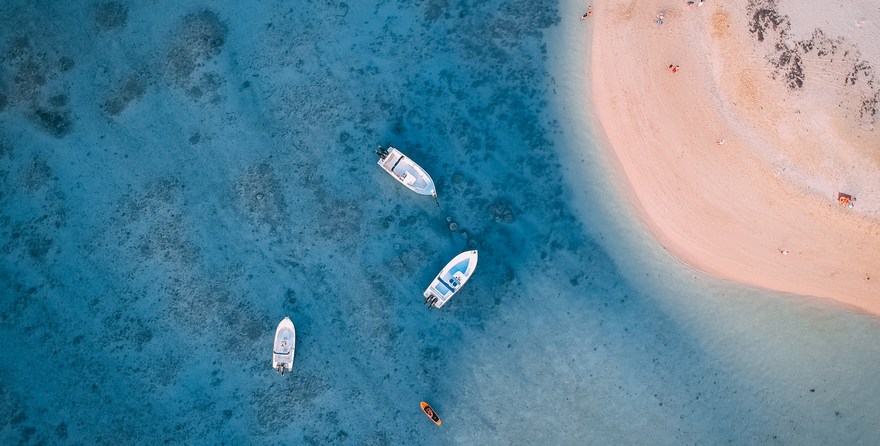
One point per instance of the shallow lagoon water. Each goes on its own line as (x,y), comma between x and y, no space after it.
(177,179)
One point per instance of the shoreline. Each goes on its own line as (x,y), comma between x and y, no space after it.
(742,210)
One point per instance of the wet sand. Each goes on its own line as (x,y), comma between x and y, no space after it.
(736,159)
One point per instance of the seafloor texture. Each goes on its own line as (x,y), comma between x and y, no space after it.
(176,178)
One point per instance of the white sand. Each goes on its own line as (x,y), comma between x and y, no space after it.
(760,208)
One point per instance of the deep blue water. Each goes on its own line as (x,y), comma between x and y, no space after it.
(175,179)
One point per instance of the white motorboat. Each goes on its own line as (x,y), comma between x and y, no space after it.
(285,345)
(406,171)
(451,278)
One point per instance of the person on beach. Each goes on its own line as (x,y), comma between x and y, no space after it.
(673,68)
(659,20)
(589,13)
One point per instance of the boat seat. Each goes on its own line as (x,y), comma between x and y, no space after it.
(451,284)
(283,348)
(443,288)
(408,179)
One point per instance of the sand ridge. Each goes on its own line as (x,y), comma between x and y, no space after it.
(735,160)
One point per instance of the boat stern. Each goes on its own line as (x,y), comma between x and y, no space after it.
(434,298)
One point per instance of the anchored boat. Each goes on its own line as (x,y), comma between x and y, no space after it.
(406,171)
(451,278)
(285,345)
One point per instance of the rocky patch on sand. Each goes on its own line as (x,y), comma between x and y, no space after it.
(792,58)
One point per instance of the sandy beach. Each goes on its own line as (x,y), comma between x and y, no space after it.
(735,157)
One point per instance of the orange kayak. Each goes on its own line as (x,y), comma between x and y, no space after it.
(430,413)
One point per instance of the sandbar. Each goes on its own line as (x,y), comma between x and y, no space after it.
(735,158)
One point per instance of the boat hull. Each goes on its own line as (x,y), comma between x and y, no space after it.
(406,172)
(451,278)
(284,346)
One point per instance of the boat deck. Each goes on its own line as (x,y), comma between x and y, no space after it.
(449,281)
(403,168)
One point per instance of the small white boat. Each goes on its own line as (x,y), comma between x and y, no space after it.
(285,345)
(451,278)
(406,171)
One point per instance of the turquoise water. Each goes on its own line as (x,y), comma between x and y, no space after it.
(175,179)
